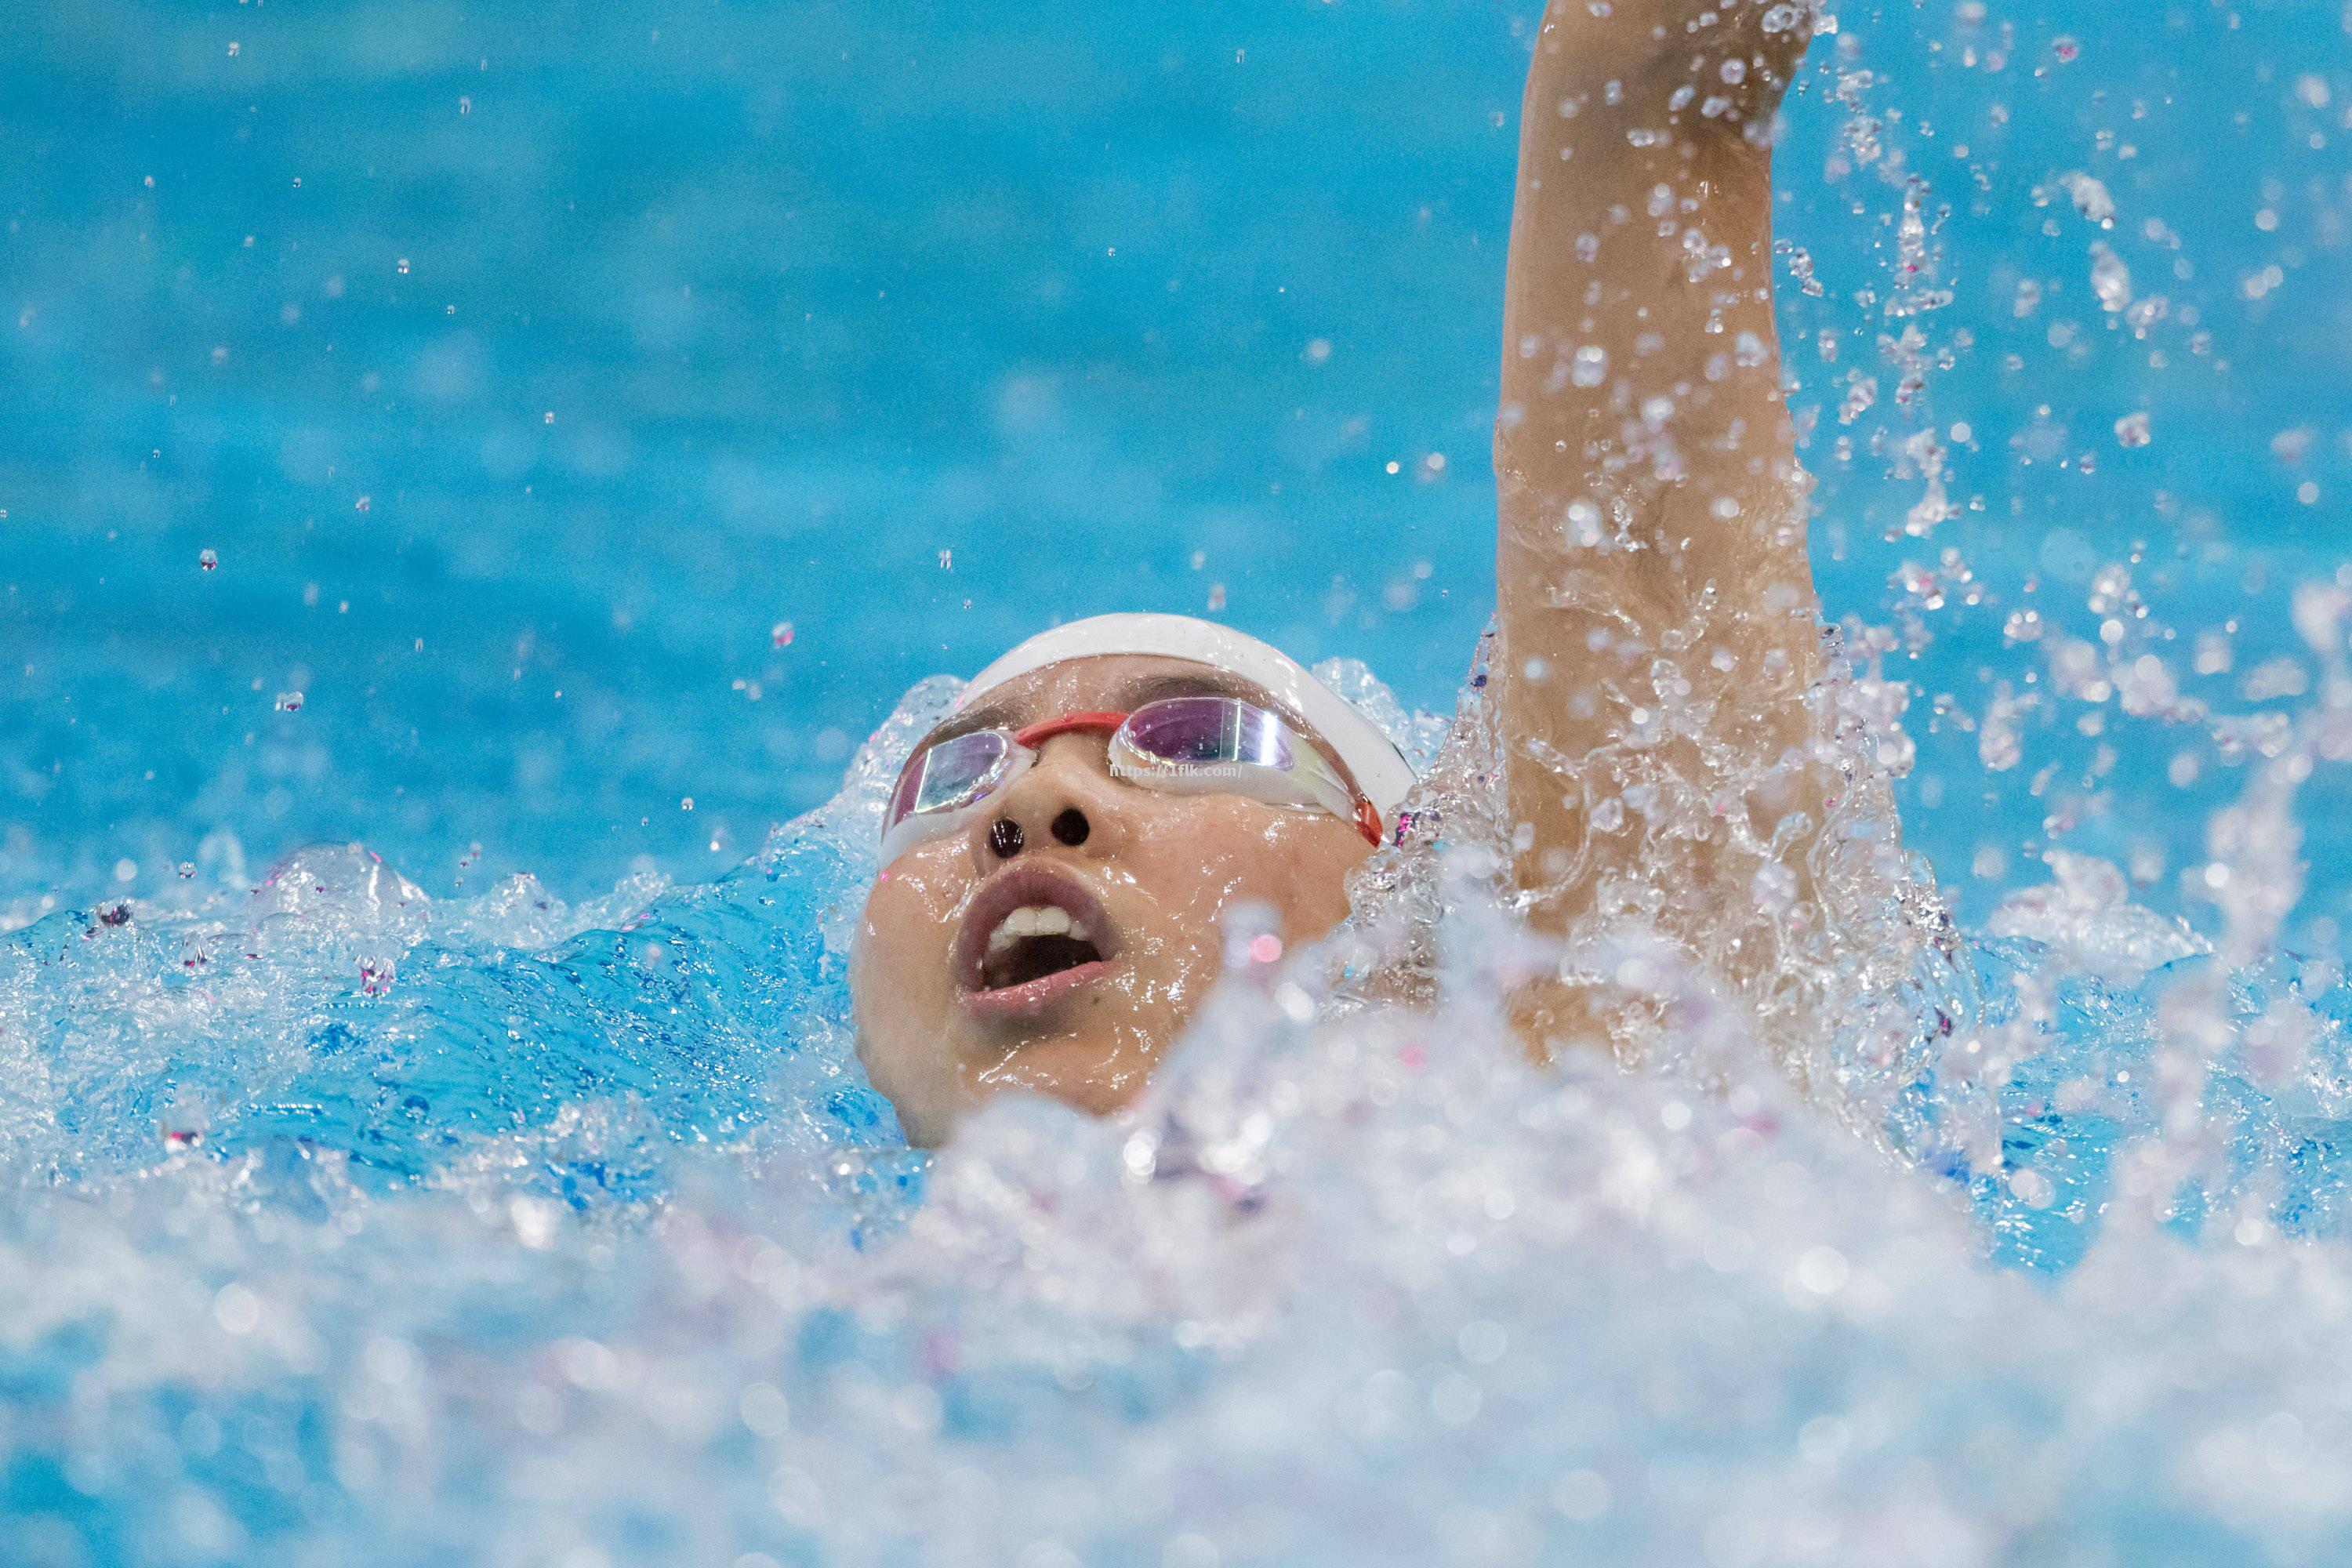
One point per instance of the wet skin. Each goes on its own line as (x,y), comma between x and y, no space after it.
(1150,875)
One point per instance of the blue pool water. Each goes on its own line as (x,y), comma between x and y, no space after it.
(544,445)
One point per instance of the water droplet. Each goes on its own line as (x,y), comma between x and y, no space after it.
(2145,313)
(2090,197)
(1823,1270)
(1580,1495)
(1774,887)
(2110,280)
(1920,584)
(1862,391)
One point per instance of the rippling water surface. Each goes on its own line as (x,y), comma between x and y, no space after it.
(470,471)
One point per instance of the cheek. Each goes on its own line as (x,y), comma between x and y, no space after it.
(902,992)
(906,932)
(1229,853)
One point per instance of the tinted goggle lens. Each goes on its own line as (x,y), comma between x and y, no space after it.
(950,776)
(1209,731)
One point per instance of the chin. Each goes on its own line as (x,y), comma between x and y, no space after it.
(1100,1077)
(938,1074)
(928,1102)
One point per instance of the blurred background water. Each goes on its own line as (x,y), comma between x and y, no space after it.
(591,409)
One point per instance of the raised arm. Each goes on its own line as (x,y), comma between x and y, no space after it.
(1658,621)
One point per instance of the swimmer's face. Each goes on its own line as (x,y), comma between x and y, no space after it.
(1145,873)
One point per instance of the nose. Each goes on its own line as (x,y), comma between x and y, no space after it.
(1066,799)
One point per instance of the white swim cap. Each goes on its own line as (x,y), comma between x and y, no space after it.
(1380,770)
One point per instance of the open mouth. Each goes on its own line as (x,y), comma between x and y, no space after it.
(1031,943)
(1031,937)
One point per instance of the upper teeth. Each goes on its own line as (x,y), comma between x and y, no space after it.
(1036,919)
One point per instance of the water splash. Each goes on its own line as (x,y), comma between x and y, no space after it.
(353,1223)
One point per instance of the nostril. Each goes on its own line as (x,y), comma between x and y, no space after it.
(1071,827)
(1005,837)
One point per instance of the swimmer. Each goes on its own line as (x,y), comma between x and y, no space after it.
(1059,854)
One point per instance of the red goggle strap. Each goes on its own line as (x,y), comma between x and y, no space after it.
(1069,724)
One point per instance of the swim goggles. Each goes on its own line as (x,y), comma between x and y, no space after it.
(1181,745)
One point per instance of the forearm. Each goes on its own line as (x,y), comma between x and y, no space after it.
(1640,363)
